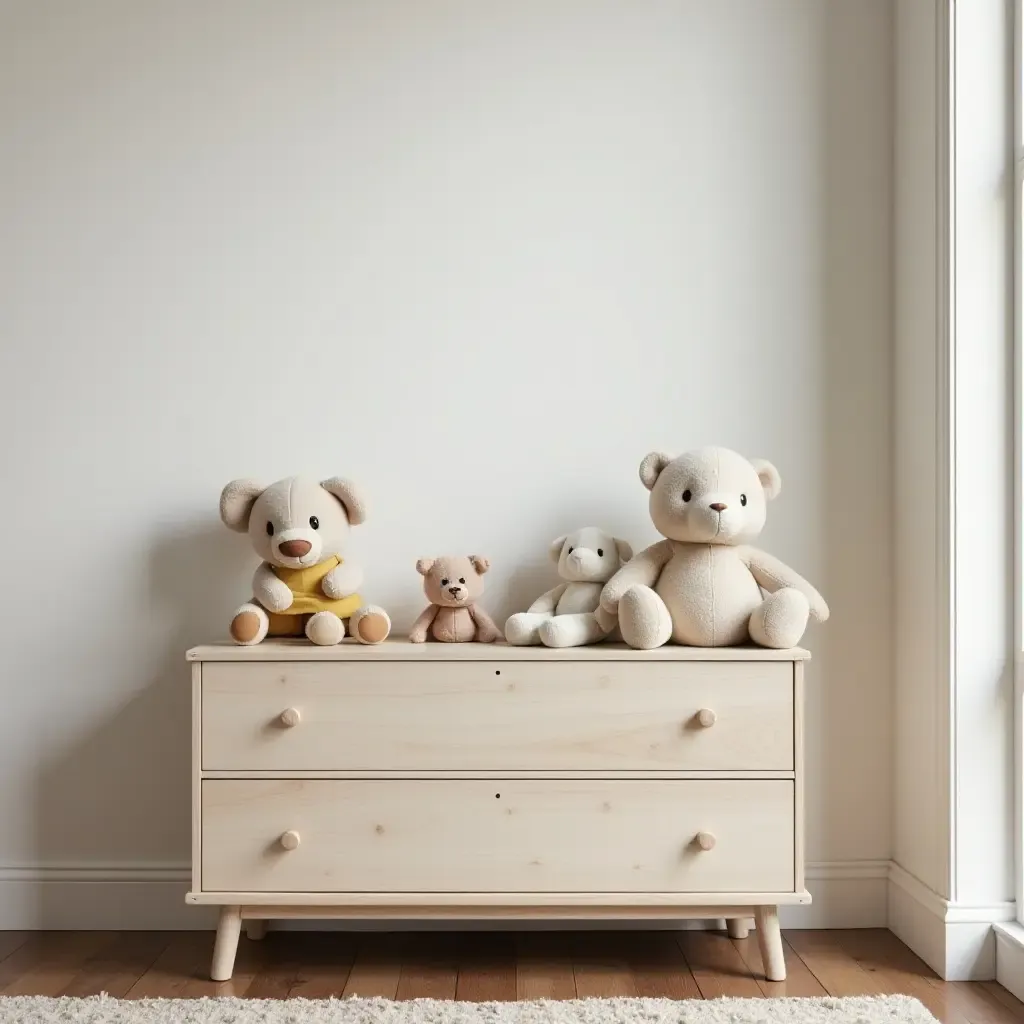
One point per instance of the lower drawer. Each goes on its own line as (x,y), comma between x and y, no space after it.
(497,836)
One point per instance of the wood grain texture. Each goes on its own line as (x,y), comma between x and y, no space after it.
(51,961)
(838,972)
(430,969)
(250,960)
(895,968)
(498,906)
(487,968)
(716,965)
(319,769)
(601,966)
(799,980)
(509,835)
(118,966)
(545,965)
(798,766)
(185,958)
(660,970)
(769,941)
(197,774)
(468,716)
(399,649)
(377,967)
(325,974)
(285,954)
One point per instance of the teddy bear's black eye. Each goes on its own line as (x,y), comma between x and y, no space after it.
(600,552)
(462,579)
(743,499)
(314,522)
(570,551)
(270,529)
(444,583)
(687,495)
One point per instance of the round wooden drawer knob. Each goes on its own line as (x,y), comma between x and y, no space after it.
(290,840)
(290,717)
(705,840)
(707,717)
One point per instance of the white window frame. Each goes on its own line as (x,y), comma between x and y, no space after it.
(1018,405)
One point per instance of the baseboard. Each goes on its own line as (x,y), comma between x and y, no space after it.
(847,894)
(955,939)
(1010,958)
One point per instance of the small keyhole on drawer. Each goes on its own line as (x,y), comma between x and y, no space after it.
(497,796)
(497,671)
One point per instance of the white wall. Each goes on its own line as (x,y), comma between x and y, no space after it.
(479,257)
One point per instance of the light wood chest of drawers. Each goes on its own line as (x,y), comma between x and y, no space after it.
(485,781)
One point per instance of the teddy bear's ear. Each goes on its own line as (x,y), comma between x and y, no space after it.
(555,551)
(236,502)
(651,467)
(624,550)
(424,565)
(480,563)
(350,496)
(769,477)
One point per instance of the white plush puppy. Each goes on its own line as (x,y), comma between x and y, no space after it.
(564,616)
(704,585)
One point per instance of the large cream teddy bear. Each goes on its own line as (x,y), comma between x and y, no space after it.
(564,616)
(299,528)
(704,585)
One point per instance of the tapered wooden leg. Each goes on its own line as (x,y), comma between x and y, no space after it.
(738,927)
(769,938)
(226,945)
(256,928)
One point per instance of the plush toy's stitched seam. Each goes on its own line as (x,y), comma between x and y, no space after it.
(711,574)
(767,573)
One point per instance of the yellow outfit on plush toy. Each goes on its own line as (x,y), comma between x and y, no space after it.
(308,598)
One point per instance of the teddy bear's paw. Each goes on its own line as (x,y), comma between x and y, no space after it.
(523,628)
(644,619)
(274,595)
(249,625)
(325,629)
(571,630)
(605,619)
(781,619)
(370,625)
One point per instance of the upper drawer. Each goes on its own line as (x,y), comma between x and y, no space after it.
(475,716)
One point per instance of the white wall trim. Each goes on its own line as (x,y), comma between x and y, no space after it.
(945,430)
(847,894)
(1010,957)
(955,939)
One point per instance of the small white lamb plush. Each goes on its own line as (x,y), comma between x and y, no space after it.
(564,616)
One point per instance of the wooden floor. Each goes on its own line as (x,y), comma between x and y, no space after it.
(482,965)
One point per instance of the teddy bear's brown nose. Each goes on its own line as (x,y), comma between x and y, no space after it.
(717,506)
(454,591)
(294,548)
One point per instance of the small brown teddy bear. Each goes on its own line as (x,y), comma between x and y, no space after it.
(452,584)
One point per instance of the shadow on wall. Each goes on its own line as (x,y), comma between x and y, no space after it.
(119,794)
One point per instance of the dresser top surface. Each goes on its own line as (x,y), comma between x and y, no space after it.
(400,649)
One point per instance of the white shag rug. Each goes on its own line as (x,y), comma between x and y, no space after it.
(102,1010)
